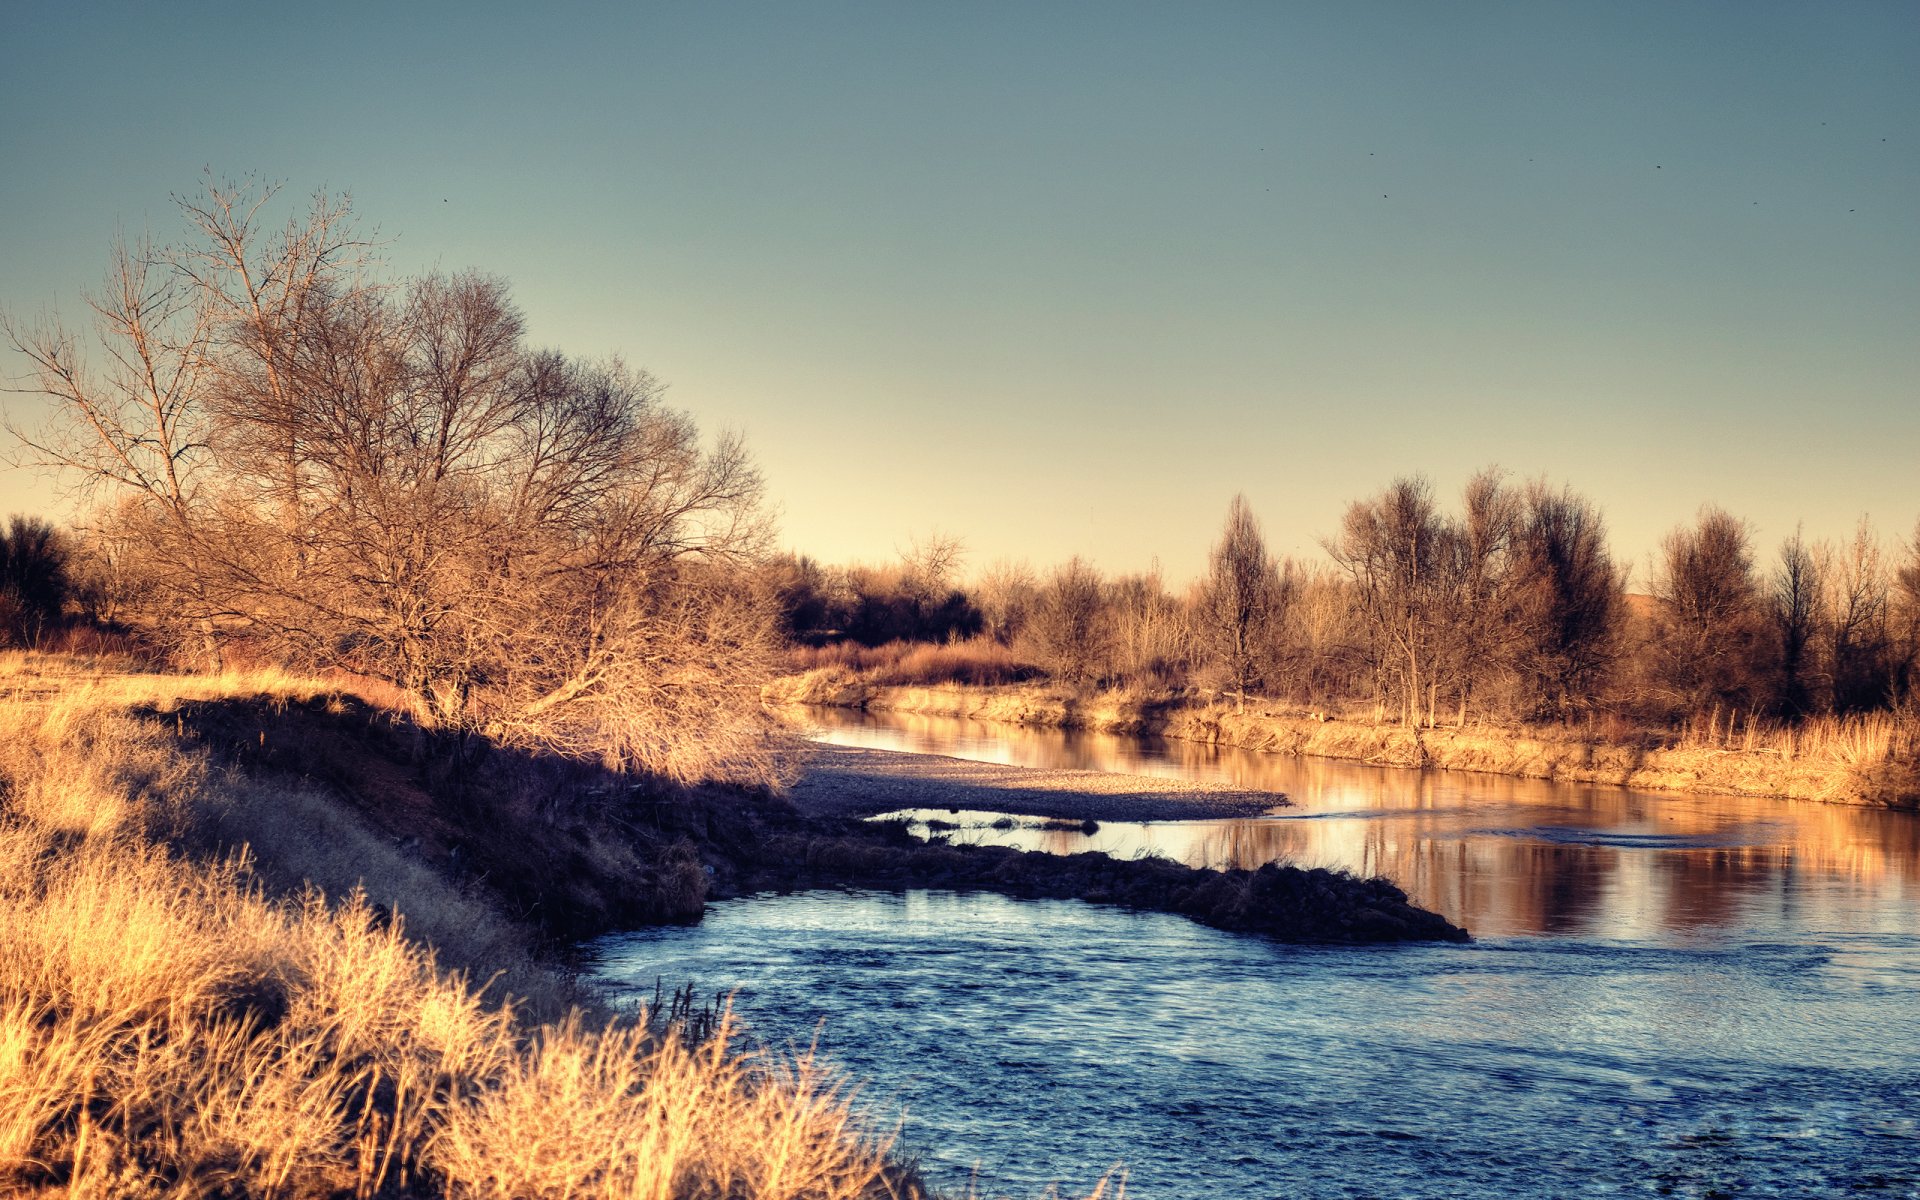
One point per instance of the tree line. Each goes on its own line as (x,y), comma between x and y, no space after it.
(1506,606)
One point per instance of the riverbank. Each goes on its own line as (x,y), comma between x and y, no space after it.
(1835,773)
(224,979)
(259,937)
(846,781)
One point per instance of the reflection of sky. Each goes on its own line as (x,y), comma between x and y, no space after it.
(1038,1041)
(1498,854)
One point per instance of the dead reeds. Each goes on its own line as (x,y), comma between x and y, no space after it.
(171,1025)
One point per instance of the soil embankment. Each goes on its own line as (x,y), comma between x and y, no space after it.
(845,781)
(1533,753)
(571,850)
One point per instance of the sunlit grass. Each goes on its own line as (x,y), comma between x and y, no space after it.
(171,1027)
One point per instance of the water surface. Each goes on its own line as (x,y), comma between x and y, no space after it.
(1669,995)
(1497,854)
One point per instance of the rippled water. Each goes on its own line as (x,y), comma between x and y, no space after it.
(1669,996)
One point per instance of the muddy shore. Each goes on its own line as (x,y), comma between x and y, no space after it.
(844,781)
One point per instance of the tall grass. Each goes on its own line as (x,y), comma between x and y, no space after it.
(980,662)
(1855,740)
(176,1022)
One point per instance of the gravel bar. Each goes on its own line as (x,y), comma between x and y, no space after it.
(846,781)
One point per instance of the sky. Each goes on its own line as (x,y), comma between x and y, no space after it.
(1062,279)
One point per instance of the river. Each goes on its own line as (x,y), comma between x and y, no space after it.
(1667,994)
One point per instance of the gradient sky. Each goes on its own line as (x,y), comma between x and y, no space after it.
(1061,279)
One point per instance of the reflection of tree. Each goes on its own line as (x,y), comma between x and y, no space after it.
(1470,846)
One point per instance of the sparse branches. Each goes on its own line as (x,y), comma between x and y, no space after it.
(1241,600)
(1709,607)
(1067,633)
(401,487)
(932,562)
(1857,592)
(1567,601)
(1390,546)
(1796,603)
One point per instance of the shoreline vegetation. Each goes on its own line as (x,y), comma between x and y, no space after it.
(260,936)
(1861,761)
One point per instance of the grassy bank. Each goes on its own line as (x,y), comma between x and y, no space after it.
(222,982)
(1867,761)
(262,937)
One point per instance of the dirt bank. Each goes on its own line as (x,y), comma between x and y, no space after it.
(1837,777)
(569,850)
(842,781)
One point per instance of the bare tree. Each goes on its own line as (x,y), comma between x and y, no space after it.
(1855,633)
(137,423)
(1904,625)
(1007,593)
(1241,600)
(1391,548)
(524,543)
(931,563)
(1473,622)
(1709,612)
(1568,600)
(1067,633)
(1796,605)
(1150,630)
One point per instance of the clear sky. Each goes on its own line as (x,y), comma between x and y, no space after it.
(1061,279)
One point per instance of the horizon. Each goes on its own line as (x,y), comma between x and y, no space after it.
(1059,285)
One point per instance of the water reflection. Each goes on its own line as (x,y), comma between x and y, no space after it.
(1497,854)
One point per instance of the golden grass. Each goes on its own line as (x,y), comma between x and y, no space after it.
(171,1027)
(979,662)
(1869,760)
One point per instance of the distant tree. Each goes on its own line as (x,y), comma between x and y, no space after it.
(1473,622)
(1391,547)
(1709,613)
(1067,633)
(1242,600)
(1795,607)
(930,564)
(1006,592)
(1904,626)
(1151,642)
(1567,601)
(1855,629)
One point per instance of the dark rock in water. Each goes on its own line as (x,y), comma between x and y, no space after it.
(1288,903)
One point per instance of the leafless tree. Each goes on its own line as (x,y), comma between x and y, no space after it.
(1241,600)
(136,422)
(523,542)
(1855,630)
(1391,548)
(931,563)
(1904,626)
(1067,632)
(1474,626)
(1709,612)
(1006,592)
(1150,639)
(1567,601)
(1796,605)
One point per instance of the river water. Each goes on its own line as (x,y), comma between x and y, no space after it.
(1667,994)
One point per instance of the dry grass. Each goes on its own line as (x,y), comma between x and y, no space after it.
(172,1024)
(1870,760)
(980,662)
(1858,740)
